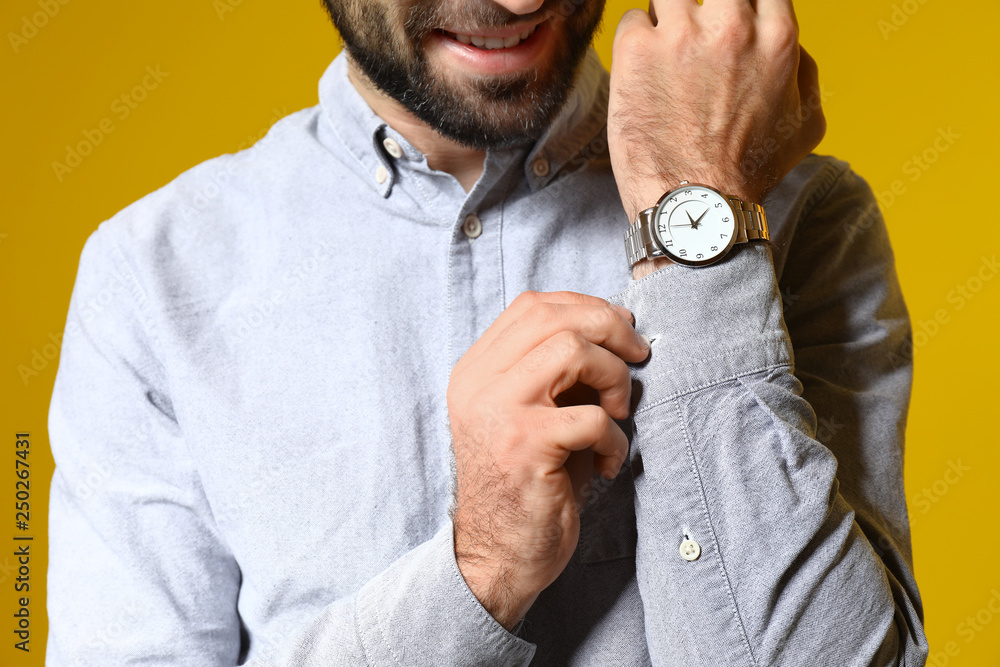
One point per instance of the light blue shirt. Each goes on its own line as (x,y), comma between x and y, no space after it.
(252,443)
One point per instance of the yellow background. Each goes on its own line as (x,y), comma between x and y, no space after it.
(233,66)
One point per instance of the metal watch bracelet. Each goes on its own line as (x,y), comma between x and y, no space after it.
(751,225)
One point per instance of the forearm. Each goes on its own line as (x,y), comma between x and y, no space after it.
(418,611)
(145,539)
(730,461)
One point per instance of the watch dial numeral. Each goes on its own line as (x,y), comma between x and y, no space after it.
(668,244)
(700,256)
(662,227)
(719,205)
(672,199)
(722,236)
(682,252)
(725,219)
(715,248)
(687,192)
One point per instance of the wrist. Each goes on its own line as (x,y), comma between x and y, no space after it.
(491,570)
(647,266)
(493,585)
(647,191)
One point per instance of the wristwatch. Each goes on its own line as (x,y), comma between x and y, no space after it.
(694,225)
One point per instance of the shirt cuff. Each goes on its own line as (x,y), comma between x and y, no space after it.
(421,611)
(707,324)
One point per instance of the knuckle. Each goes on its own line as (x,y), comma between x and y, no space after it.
(631,41)
(528,298)
(509,433)
(569,344)
(732,33)
(608,313)
(680,37)
(783,35)
(604,318)
(732,17)
(493,429)
(598,420)
(543,311)
(624,377)
(633,14)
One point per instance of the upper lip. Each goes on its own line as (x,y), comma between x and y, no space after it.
(506,31)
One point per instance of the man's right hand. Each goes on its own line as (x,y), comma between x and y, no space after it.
(522,454)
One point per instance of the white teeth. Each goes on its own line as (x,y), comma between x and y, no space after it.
(490,43)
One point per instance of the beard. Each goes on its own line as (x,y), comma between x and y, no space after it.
(480,112)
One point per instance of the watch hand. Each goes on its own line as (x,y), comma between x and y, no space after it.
(695,223)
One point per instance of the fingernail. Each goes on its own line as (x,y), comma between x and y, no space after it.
(645,341)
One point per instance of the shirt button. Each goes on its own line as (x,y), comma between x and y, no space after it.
(540,167)
(690,550)
(392,147)
(381,174)
(472,226)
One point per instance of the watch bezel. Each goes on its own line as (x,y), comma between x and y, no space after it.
(655,234)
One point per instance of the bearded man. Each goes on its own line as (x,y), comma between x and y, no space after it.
(384,389)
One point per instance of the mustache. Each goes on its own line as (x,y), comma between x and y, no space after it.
(427,15)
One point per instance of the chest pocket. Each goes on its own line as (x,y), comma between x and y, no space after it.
(607,520)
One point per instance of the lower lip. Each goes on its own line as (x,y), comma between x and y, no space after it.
(528,52)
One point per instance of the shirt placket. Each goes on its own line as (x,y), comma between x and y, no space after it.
(475,260)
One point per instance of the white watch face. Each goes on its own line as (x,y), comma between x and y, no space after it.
(695,225)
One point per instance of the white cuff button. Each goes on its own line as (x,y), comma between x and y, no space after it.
(690,550)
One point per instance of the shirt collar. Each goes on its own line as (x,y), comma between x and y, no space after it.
(577,129)
(355,126)
(362,133)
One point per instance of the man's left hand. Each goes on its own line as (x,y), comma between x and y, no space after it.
(720,94)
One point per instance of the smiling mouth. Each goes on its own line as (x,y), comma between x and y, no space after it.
(492,43)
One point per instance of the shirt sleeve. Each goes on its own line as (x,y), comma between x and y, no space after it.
(139,572)
(772,522)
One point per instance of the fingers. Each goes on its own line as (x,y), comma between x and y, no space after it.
(598,324)
(635,24)
(580,427)
(564,360)
(782,9)
(522,304)
(739,7)
(661,10)
(635,19)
